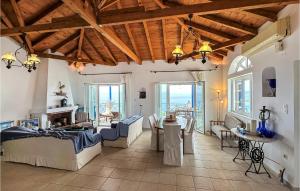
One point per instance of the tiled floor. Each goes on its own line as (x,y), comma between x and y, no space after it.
(140,169)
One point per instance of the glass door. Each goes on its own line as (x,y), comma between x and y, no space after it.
(185,98)
(199,111)
(105,102)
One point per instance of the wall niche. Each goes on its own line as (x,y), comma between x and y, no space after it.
(269,82)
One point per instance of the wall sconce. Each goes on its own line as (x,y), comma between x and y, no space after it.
(219,102)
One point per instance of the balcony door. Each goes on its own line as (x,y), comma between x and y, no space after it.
(103,100)
(186,98)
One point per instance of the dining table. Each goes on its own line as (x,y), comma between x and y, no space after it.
(163,121)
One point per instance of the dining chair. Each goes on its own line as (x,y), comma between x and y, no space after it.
(189,138)
(154,135)
(156,118)
(173,147)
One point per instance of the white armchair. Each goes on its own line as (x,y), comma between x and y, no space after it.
(154,135)
(189,138)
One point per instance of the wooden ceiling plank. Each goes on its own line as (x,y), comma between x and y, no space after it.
(87,14)
(65,41)
(265,14)
(86,54)
(149,41)
(106,48)
(45,13)
(112,18)
(9,24)
(108,61)
(232,42)
(80,42)
(109,4)
(163,23)
(22,24)
(139,16)
(206,29)
(72,50)
(70,59)
(129,33)
(231,24)
(42,38)
(102,2)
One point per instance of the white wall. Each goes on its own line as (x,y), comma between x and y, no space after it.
(58,71)
(141,77)
(16,86)
(284,65)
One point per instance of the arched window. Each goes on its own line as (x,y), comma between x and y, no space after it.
(239,64)
(240,86)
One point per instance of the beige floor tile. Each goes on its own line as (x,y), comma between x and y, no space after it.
(150,177)
(52,187)
(64,179)
(181,188)
(70,188)
(241,186)
(111,185)
(165,178)
(145,186)
(182,180)
(203,183)
(164,187)
(221,185)
(128,185)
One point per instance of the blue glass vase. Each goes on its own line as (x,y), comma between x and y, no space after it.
(264,131)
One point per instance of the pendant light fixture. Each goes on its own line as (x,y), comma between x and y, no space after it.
(30,63)
(204,49)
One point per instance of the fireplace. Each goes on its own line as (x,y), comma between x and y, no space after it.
(60,119)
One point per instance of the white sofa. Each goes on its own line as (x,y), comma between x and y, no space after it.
(134,130)
(48,152)
(222,129)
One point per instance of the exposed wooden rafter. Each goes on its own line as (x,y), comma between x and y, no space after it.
(9,24)
(149,41)
(109,4)
(108,61)
(114,17)
(129,33)
(231,24)
(41,39)
(232,42)
(163,23)
(22,24)
(80,43)
(87,14)
(65,41)
(106,48)
(70,59)
(44,13)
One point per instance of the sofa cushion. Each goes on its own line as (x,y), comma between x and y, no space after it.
(217,130)
(232,122)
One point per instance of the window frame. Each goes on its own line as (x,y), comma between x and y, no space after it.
(233,76)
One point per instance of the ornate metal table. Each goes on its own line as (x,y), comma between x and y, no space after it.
(252,146)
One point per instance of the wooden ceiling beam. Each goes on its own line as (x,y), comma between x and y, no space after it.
(65,41)
(87,14)
(129,33)
(72,50)
(80,42)
(232,42)
(70,59)
(86,54)
(22,24)
(231,24)
(106,60)
(265,14)
(126,16)
(106,48)
(163,23)
(148,40)
(114,18)
(9,24)
(44,13)
(109,4)
(206,29)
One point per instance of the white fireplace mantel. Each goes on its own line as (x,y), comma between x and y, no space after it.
(64,109)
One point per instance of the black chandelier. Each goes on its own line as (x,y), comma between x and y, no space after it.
(30,63)
(204,49)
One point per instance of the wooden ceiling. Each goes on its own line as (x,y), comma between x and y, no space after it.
(112,31)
